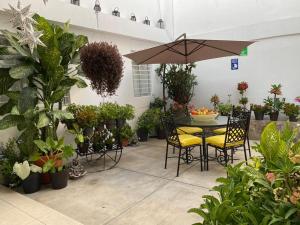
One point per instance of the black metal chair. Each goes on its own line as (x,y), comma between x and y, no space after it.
(235,137)
(240,113)
(184,142)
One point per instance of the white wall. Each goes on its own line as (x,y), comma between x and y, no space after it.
(196,17)
(269,61)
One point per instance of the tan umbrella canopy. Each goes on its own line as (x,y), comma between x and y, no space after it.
(183,51)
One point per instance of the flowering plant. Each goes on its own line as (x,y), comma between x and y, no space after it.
(102,138)
(297,99)
(276,89)
(215,100)
(242,87)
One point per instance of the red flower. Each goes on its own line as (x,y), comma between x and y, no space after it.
(242,86)
(271,177)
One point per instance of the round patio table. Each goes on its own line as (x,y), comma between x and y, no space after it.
(208,125)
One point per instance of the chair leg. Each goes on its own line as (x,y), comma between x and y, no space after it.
(216,152)
(245,153)
(249,148)
(225,157)
(232,151)
(206,157)
(201,165)
(178,165)
(167,151)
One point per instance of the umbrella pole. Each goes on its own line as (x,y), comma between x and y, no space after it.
(164,87)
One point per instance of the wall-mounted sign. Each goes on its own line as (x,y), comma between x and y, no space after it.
(234,64)
(244,52)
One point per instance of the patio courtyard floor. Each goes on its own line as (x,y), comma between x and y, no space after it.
(139,191)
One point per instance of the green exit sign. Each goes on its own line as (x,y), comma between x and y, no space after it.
(244,52)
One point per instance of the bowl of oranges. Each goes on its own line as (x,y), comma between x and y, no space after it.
(203,114)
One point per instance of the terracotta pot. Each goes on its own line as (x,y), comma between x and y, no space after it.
(125,142)
(45,177)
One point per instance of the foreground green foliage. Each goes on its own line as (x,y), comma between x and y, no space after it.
(267,192)
(44,77)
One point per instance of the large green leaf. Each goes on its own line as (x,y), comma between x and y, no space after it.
(62,115)
(8,52)
(10,121)
(43,121)
(5,81)
(25,140)
(3,40)
(8,63)
(80,82)
(58,95)
(15,44)
(13,95)
(22,71)
(27,99)
(6,107)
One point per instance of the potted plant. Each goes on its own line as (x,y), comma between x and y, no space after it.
(86,118)
(81,141)
(103,139)
(30,176)
(157,103)
(242,88)
(145,123)
(225,109)
(125,113)
(259,111)
(275,104)
(126,134)
(215,100)
(9,155)
(292,111)
(108,112)
(52,154)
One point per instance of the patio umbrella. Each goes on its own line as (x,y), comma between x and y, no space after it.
(183,51)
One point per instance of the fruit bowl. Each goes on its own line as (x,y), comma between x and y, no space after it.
(205,117)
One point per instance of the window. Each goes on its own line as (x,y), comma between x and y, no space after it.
(67,99)
(141,79)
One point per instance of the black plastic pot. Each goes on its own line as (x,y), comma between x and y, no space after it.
(83,147)
(293,118)
(88,131)
(60,179)
(121,122)
(110,124)
(160,133)
(274,116)
(259,115)
(32,183)
(142,134)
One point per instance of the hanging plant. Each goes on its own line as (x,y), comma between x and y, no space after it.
(103,66)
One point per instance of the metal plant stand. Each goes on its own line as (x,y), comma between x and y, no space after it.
(103,159)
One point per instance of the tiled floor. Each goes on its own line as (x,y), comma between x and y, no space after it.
(139,191)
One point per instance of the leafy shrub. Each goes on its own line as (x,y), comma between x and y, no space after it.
(86,116)
(225,108)
(265,192)
(290,109)
(157,103)
(149,119)
(259,108)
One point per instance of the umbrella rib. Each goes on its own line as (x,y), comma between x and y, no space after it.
(169,47)
(176,51)
(200,45)
(224,50)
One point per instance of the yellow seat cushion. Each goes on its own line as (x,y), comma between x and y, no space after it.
(220,131)
(189,130)
(219,140)
(189,140)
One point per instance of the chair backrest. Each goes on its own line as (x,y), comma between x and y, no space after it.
(236,131)
(242,113)
(170,128)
